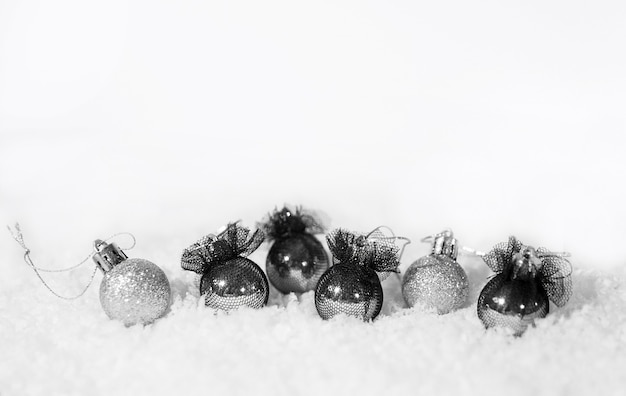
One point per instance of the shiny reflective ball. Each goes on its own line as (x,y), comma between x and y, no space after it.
(435,282)
(296,263)
(135,291)
(349,289)
(235,283)
(513,304)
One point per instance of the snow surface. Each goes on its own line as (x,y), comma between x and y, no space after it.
(169,119)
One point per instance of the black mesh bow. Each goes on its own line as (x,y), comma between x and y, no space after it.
(554,273)
(374,250)
(285,222)
(235,241)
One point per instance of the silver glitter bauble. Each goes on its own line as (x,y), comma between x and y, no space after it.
(235,283)
(135,291)
(435,281)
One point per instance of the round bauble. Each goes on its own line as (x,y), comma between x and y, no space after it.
(234,283)
(526,280)
(435,282)
(514,304)
(296,263)
(135,291)
(349,289)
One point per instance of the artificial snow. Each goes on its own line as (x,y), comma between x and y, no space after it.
(169,120)
(50,346)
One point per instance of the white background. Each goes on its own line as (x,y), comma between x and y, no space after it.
(492,118)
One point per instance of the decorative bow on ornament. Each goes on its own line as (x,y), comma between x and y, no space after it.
(286,222)
(375,250)
(517,261)
(234,241)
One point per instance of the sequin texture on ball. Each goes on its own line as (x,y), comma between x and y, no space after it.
(349,289)
(235,283)
(436,282)
(136,291)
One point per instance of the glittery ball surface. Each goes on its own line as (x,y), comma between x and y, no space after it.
(135,291)
(349,289)
(235,283)
(435,281)
(296,263)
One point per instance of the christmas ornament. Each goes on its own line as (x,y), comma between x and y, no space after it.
(296,260)
(437,280)
(133,291)
(352,285)
(526,280)
(229,279)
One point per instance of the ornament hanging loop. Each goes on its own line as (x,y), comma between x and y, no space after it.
(19,238)
(16,233)
(393,237)
(431,238)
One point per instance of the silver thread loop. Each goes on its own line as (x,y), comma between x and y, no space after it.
(16,233)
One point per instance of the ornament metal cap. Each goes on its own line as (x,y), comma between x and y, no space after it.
(107,255)
(444,243)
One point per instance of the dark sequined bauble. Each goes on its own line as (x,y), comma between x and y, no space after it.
(514,304)
(350,289)
(235,283)
(296,263)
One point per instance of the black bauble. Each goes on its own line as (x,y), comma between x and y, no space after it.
(512,303)
(235,283)
(350,289)
(526,280)
(296,263)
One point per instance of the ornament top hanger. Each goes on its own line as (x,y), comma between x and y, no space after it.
(443,243)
